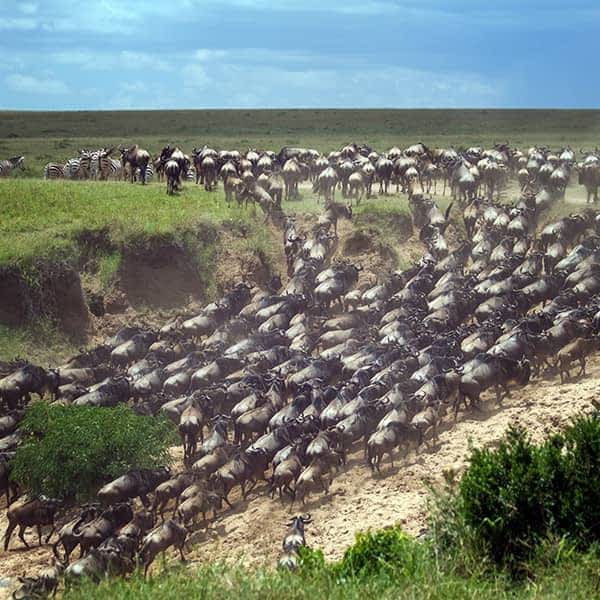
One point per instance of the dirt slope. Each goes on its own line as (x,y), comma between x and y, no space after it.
(252,532)
(359,501)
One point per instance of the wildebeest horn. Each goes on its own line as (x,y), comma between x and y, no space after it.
(306,518)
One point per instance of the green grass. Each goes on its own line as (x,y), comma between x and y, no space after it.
(43,137)
(60,219)
(108,267)
(40,339)
(46,219)
(574,577)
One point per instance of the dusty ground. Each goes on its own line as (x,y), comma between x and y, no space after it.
(252,532)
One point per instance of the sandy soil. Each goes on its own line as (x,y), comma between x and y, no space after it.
(253,530)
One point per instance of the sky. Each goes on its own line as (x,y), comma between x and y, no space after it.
(114,54)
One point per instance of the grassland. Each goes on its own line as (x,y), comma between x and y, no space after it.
(55,136)
(46,218)
(419,576)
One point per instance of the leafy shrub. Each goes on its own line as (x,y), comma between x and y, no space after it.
(68,451)
(580,500)
(520,493)
(389,551)
(501,496)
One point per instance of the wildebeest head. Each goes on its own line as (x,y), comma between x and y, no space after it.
(299,521)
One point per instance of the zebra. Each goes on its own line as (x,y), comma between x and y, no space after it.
(190,174)
(10,165)
(89,163)
(115,169)
(106,164)
(54,171)
(72,169)
(85,164)
(149,173)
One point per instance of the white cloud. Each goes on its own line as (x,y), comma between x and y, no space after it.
(17,23)
(101,60)
(27,84)
(195,76)
(210,54)
(137,60)
(236,83)
(28,8)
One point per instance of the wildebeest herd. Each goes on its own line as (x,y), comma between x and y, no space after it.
(277,385)
(269,176)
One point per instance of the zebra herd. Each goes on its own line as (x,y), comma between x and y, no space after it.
(99,165)
(90,164)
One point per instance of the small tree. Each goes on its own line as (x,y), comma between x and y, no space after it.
(68,451)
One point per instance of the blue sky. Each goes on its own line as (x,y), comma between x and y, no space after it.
(111,54)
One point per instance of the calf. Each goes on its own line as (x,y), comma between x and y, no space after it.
(66,535)
(201,502)
(32,513)
(169,490)
(575,350)
(170,533)
(313,478)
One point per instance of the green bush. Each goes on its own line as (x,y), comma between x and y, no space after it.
(512,497)
(389,551)
(502,496)
(580,501)
(68,451)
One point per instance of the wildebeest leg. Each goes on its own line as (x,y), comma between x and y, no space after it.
(253,483)
(181,553)
(459,399)
(582,363)
(498,394)
(22,535)
(52,529)
(8,533)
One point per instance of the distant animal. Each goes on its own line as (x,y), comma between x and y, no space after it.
(10,165)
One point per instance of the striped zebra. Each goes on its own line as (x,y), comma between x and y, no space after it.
(95,171)
(54,171)
(115,169)
(10,165)
(137,176)
(72,169)
(89,163)
(190,174)
(108,167)
(149,173)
